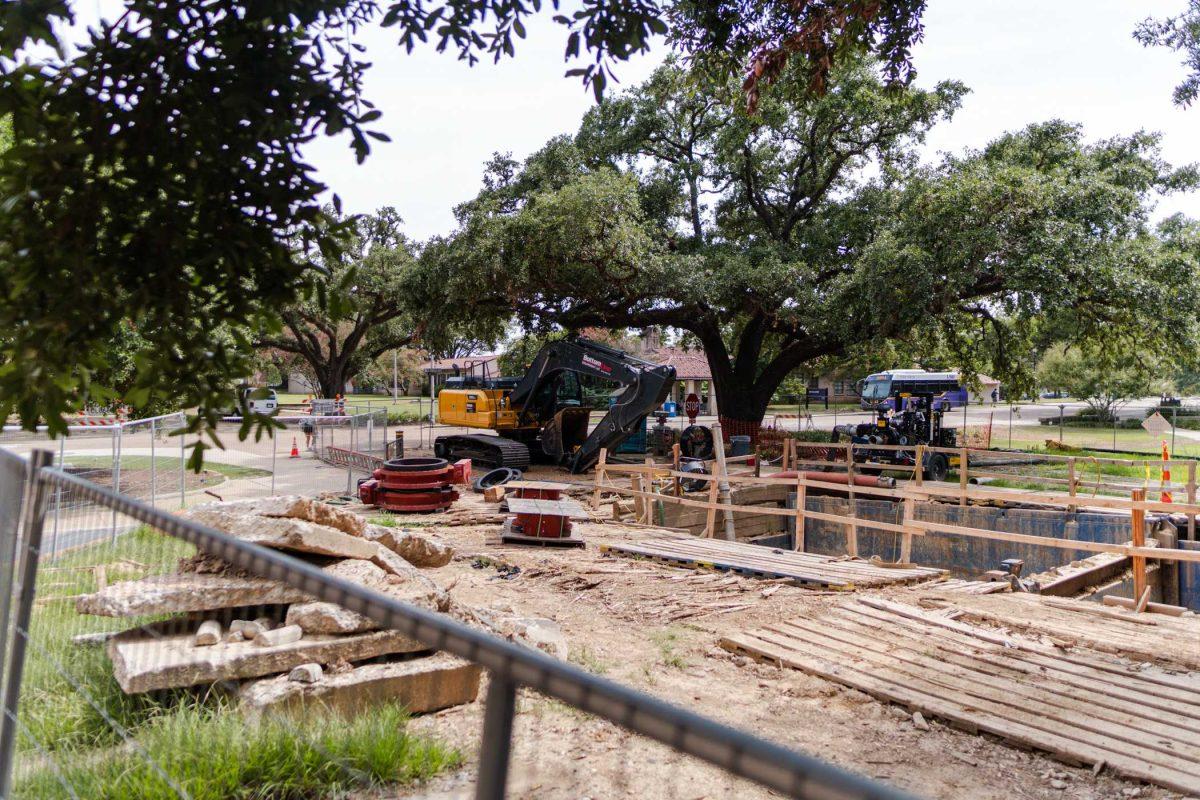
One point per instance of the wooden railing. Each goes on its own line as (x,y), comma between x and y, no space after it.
(660,482)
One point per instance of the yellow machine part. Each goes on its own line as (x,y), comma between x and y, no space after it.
(477,408)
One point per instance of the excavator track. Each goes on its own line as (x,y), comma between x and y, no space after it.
(483,450)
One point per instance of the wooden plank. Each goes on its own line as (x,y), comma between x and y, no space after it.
(980,685)
(758,560)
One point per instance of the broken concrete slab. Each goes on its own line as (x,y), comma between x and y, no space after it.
(157,657)
(297,507)
(209,633)
(418,549)
(285,533)
(420,685)
(306,673)
(162,594)
(279,636)
(327,618)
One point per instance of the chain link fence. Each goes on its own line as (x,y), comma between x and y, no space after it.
(110,693)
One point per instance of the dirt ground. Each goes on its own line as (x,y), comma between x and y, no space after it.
(656,628)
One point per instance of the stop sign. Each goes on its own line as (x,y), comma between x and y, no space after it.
(691,406)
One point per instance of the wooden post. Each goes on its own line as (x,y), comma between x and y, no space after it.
(648,486)
(919,471)
(852,530)
(1071,480)
(635,483)
(787,453)
(599,477)
(801,517)
(675,463)
(1138,522)
(710,525)
(723,480)
(1191,498)
(906,537)
(962,476)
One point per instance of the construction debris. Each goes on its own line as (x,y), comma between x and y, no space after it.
(420,550)
(421,685)
(314,651)
(1077,706)
(164,594)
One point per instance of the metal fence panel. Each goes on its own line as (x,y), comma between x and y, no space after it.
(74,722)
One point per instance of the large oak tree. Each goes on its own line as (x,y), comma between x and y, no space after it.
(820,234)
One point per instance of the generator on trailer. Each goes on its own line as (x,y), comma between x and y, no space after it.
(917,419)
(542,413)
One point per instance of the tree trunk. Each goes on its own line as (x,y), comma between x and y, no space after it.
(741,406)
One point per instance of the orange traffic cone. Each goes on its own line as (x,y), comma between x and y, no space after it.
(295,449)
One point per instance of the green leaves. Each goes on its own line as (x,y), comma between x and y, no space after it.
(1181,33)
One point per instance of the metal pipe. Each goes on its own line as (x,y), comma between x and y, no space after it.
(153,472)
(495,748)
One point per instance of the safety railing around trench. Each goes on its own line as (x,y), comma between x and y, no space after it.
(27,485)
(661,483)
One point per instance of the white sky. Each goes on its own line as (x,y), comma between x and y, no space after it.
(1024,60)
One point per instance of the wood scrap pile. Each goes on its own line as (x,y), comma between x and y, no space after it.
(274,645)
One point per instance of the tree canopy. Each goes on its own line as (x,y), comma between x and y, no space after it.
(819,232)
(158,176)
(1104,382)
(358,308)
(1181,33)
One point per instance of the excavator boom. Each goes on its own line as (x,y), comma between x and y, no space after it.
(646,385)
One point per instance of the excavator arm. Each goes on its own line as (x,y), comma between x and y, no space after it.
(646,387)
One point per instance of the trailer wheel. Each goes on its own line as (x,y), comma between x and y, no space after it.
(937,467)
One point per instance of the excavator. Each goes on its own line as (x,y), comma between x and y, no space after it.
(542,412)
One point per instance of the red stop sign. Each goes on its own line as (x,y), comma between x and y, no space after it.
(691,406)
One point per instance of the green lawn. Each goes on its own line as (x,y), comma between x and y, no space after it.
(73,707)
(166,464)
(1031,437)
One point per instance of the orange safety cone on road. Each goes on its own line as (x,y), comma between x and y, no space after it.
(295,449)
(1165,485)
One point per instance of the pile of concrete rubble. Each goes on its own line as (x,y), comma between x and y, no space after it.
(277,647)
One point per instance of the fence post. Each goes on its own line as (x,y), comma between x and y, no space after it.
(723,481)
(153,471)
(182,467)
(964,457)
(34,519)
(274,448)
(116,481)
(58,493)
(1010,416)
(1115,420)
(1061,434)
(496,746)
(1174,423)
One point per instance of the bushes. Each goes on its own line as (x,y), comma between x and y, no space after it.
(405,417)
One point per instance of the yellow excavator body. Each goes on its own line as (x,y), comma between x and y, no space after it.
(487,409)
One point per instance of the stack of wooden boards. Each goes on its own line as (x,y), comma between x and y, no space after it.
(278,647)
(841,572)
(1080,705)
(747,524)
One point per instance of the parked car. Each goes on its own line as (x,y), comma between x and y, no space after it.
(256,400)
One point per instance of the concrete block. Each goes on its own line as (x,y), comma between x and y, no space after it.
(162,594)
(420,684)
(284,533)
(208,633)
(418,549)
(296,507)
(327,618)
(306,673)
(157,658)
(288,634)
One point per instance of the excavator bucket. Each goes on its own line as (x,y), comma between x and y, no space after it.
(563,434)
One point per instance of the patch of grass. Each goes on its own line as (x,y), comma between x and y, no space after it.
(69,694)
(586,658)
(165,464)
(666,641)
(215,753)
